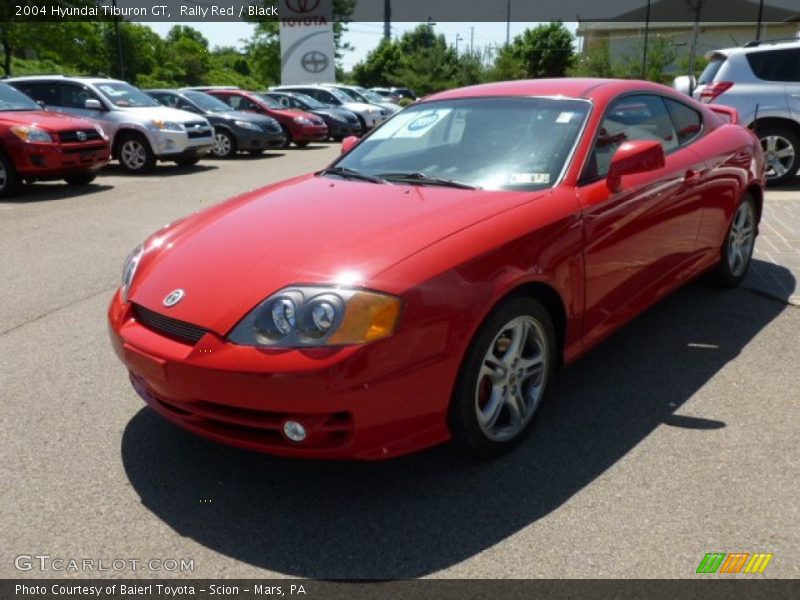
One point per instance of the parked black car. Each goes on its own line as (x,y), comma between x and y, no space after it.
(233,130)
(341,123)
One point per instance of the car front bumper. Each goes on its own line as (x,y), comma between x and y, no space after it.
(247,139)
(53,161)
(339,129)
(167,145)
(310,133)
(358,402)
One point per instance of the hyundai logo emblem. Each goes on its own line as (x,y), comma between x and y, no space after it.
(81,136)
(174,297)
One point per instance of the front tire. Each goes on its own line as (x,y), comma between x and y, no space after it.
(224,144)
(781,153)
(9,178)
(81,178)
(135,154)
(737,249)
(504,378)
(302,144)
(287,139)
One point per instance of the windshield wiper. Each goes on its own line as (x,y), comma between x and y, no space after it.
(350,174)
(424,179)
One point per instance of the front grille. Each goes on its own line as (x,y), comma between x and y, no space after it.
(351,119)
(271,127)
(167,326)
(195,124)
(89,135)
(194,134)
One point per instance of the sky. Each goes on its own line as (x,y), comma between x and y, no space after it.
(364,36)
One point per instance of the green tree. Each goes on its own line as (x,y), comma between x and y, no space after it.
(380,63)
(595,62)
(544,51)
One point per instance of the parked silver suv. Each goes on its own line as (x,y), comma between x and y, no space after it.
(140,129)
(761,80)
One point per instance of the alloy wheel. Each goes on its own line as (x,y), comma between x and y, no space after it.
(512,379)
(222,145)
(741,239)
(133,154)
(779,155)
(3,177)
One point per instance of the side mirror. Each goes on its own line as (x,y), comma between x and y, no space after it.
(92,104)
(638,156)
(348,143)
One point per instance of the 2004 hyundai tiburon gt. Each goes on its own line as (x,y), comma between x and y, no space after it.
(428,283)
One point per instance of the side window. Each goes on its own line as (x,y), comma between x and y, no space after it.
(166,99)
(40,92)
(688,122)
(233,101)
(638,117)
(776,65)
(75,96)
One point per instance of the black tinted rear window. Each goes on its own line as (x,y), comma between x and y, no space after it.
(708,74)
(776,65)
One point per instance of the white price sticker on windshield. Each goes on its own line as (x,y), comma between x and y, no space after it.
(527,178)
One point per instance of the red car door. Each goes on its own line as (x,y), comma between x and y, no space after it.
(640,238)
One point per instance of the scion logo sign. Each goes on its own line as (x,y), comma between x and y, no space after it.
(81,136)
(314,61)
(302,6)
(735,562)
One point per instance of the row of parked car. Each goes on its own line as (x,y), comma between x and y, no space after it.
(58,127)
(761,80)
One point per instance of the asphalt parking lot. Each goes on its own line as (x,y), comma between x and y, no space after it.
(676,437)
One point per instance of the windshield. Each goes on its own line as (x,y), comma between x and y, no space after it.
(207,102)
(125,95)
(491,143)
(308,101)
(340,95)
(372,96)
(269,101)
(11,99)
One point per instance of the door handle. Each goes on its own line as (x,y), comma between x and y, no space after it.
(691,177)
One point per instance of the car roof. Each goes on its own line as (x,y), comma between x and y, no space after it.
(585,88)
(65,78)
(751,47)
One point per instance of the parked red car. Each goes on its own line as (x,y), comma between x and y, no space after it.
(429,283)
(299,126)
(38,145)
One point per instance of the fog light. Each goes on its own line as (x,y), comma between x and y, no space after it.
(294,431)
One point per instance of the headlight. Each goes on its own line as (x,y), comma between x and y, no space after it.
(31,134)
(303,121)
(166,125)
(101,132)
(129,270)
(318,316)
(375,111)
(247,125)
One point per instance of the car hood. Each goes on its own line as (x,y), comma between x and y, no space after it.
(162,113)
(51,121)
(232,256)
(237,115)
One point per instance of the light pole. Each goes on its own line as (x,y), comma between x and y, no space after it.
(119,41)
(508,22)
(646,39)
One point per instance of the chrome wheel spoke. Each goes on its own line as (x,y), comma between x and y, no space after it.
(511,379)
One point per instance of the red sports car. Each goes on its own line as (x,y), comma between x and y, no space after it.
(299,126)
(429,283)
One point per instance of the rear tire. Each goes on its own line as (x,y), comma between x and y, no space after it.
(504,378)
(737,249)
(781,153)
(81,179)
(9,178)
(134,153)
(287,139)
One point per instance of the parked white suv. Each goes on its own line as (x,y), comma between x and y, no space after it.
(761,80)
(141,130)
(369,115)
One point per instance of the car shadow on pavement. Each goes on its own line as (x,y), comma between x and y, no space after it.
(246,156)
(160,170)
(46,191)
(415,515)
